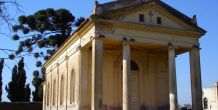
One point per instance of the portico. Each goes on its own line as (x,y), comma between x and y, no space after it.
(128,98)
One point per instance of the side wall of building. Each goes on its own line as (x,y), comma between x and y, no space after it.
(62,85)
(210,98)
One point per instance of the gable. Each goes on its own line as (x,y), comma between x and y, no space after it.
(119,9)
(151,15)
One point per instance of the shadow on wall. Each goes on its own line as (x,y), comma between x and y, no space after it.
(20,106)
(112,107)
(164,107)
(142,107)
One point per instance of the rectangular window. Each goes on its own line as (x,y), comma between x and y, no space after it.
(159,20)
(141,18)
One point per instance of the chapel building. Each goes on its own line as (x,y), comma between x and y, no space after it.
(123,58)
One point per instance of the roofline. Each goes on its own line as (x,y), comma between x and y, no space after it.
(170,9)
(178,13)
(111,2)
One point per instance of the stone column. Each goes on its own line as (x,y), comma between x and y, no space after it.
(126,76)
(172,79)
(196,86)
(97,74)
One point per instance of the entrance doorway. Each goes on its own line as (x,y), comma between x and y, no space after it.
(133,89)
(134,86)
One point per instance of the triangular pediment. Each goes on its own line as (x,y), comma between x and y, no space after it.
(154,14)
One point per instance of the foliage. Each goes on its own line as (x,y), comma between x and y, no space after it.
(16,88)
(186,107)
(37,83)
(43,32)
(1,68)
(27,93)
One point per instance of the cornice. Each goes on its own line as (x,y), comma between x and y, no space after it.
(152,28)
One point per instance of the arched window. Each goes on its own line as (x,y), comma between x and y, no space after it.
(62,90)
(72,86)
(134,66)
(54,93)
(205,103)
(48,93)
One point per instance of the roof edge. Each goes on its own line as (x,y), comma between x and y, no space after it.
(169,8)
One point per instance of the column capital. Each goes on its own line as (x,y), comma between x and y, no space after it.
(126,42)
(127,39)
(172,46)
(99,36)
(79,47)
(195,48)
(66,57)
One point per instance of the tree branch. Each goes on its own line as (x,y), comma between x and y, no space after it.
(4,14)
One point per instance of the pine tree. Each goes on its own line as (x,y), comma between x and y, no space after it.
(44,32)
(17,90)
(1,68)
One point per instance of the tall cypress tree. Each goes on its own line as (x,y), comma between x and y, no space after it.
(37,83)
(17,89)
(1,68)
(27,93)
(11,87)
(21,81)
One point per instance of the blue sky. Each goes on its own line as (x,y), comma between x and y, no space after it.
(207,14)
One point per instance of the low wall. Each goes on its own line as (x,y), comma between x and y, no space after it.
(20,106)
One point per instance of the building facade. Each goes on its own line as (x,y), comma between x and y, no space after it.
(210,98)
(123,58)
